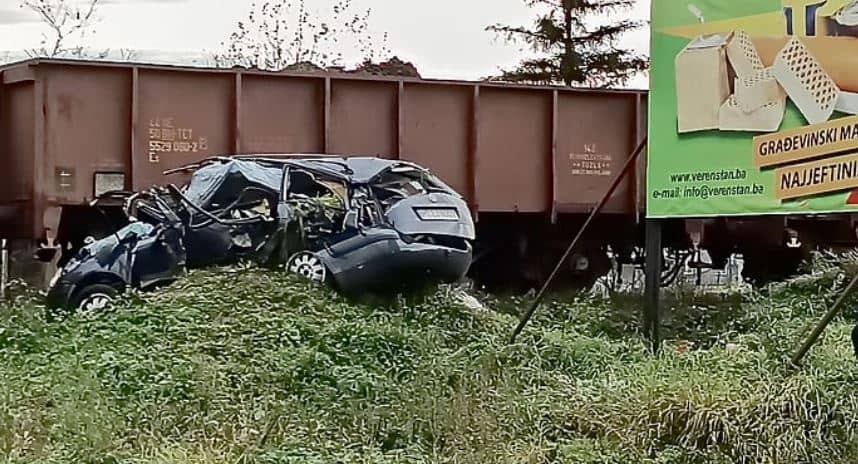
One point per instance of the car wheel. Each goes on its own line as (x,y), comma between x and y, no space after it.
(94,298)
(308,266)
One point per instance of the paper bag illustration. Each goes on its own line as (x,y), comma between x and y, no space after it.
(842,20)
(702,83)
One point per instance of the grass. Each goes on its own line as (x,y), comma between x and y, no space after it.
(250,366)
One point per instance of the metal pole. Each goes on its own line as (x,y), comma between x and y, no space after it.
(829,316)
(697,258)
(4,269)
(727,274)
(539,296)
(652,315)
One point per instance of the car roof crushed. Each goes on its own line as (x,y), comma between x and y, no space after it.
(354,169)
(228,178)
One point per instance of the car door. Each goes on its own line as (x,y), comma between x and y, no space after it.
(363,258)
(160,257)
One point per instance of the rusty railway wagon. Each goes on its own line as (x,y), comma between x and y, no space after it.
(531,161)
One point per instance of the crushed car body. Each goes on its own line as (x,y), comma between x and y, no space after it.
(356,223)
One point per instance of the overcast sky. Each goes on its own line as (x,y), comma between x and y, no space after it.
(443,38)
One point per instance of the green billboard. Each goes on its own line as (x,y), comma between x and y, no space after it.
(752,107)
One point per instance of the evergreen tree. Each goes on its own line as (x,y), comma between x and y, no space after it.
(572,51)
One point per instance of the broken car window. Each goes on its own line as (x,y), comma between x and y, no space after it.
(320,204)
(403,182)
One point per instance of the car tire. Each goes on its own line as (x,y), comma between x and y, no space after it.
(94,298)
(308,266)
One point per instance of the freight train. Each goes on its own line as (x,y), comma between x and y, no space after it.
(531,161)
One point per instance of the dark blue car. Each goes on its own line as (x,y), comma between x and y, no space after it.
(138,255)
(354,223)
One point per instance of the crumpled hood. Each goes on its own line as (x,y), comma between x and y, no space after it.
(99,248)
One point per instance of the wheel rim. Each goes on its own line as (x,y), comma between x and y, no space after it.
(95,302)
(308,266)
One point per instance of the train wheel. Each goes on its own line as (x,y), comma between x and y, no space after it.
(763,267)
(588,267)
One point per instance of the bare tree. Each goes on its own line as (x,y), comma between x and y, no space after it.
(280,33)
(67,20)
(127,54)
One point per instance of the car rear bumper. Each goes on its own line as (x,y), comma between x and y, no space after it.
(413,263)
(445,264)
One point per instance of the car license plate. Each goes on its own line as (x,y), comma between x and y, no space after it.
(438,214)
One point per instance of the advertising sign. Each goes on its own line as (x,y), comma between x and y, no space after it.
(753,107)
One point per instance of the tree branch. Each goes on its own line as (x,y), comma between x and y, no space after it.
(63,20)
(607,34)
(281,33)
(574,53)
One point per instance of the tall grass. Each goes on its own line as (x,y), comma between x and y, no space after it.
(235,365)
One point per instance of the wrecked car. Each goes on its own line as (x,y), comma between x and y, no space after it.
(369,223)
(138,255)
(357,224)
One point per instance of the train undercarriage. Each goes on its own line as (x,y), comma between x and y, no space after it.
(516,253)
